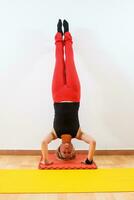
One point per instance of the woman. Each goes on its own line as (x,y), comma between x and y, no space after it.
(66,97)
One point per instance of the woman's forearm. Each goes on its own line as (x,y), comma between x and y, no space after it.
(44,147)
(91,151)
(44,150)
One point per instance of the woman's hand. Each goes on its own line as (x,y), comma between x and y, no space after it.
(47,162)
(43,164)
(87,162)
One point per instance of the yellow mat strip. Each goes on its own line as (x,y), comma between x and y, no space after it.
(67,181)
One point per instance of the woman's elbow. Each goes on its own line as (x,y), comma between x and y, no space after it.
(44,143)
(93,142)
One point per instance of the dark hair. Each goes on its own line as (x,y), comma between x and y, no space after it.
(59,155)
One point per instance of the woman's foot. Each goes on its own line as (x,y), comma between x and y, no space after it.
(66,26)
(59,27)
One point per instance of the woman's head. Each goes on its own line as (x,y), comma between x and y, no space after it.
(66,151)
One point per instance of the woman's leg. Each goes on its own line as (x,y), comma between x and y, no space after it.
(58,81)
(65,84)
(72,79)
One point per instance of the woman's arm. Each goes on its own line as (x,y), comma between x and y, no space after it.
(44,147)
(92,144)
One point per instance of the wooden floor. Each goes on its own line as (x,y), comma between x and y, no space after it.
(25,162)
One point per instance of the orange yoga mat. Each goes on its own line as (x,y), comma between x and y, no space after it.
(71,164)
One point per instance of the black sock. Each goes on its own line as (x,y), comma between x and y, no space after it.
(59,27)
(66,26)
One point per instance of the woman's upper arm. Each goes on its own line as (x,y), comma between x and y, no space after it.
(51,136)
(86,138)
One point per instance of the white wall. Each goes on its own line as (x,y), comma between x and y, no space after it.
(103,36)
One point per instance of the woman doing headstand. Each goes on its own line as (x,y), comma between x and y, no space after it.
(66,94)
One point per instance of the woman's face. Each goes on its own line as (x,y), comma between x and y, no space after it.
(66,150)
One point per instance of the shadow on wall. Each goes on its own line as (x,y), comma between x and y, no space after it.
(32,46)
(113,100)
(26,94)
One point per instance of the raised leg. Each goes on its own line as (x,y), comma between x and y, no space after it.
(59,71)
(72,79)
